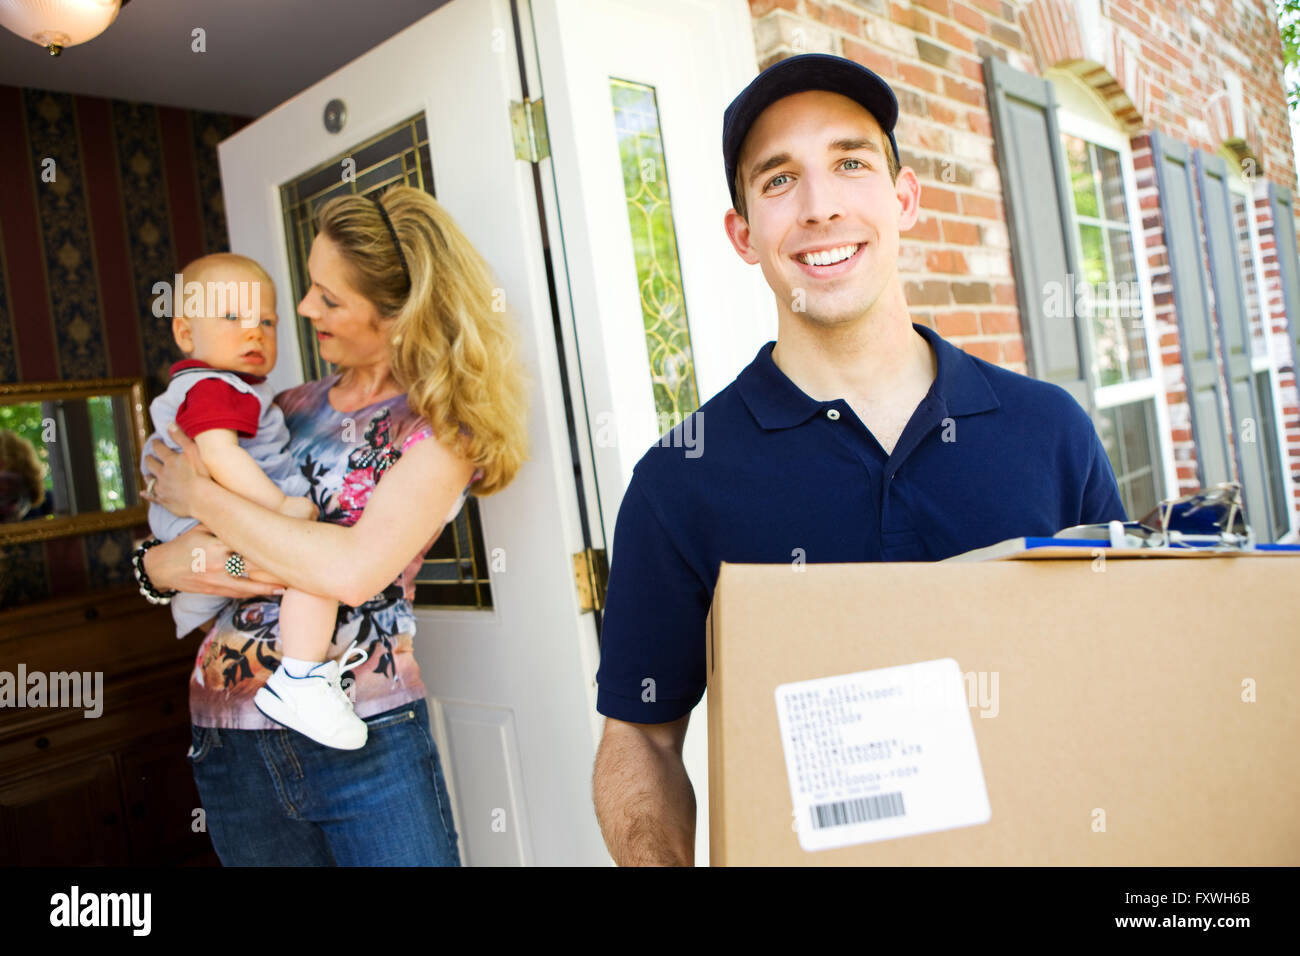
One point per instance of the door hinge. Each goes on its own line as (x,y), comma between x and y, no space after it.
(590,575)
(528,125)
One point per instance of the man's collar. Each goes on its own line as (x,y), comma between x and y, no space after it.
(777,402)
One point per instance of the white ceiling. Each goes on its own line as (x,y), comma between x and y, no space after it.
(259,52)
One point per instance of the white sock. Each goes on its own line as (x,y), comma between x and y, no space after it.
(297,667)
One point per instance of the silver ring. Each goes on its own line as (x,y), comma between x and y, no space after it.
(235,565)
(148,487)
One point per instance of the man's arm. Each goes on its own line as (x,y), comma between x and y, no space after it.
(644,801)
(1101,501)
(651,675)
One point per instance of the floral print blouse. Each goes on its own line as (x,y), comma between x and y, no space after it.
(343,455)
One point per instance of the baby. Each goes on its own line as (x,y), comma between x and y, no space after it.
(219,397)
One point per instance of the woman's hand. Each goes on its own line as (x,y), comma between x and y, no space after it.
(173,565)
(178,474)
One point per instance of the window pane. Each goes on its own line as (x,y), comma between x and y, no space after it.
(1125,301)
(1107,339)
(1126,432)
(1081,178)
(1112,185)
(654,242)
(454,573)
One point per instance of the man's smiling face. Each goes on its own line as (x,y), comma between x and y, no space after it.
(823,215)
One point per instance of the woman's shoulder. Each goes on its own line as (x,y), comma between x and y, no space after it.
(418,429)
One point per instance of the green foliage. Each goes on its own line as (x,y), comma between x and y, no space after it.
(1288,22)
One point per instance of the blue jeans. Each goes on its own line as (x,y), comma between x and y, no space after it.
(277,798)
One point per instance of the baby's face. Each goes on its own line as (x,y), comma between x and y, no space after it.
(238,335)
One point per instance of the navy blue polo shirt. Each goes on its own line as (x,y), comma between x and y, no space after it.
(765,474)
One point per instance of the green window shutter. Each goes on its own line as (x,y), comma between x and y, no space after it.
(1192,307)
(1234,339)
(1041,216)
(1279,200)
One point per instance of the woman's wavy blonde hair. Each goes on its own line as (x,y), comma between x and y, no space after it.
(453,345)
(19,455)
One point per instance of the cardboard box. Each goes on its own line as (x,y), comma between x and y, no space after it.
(1119,712)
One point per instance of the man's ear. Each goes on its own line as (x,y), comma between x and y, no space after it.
(908,189)
(738,232)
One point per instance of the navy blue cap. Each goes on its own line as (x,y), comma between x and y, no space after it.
(797,74)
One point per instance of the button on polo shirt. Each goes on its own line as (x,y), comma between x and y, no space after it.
(764,474)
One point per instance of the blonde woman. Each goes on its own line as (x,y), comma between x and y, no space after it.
(429,404)
(22,476)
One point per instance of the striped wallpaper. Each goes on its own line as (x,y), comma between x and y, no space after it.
(136,193)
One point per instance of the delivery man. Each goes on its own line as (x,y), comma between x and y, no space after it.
(856,436)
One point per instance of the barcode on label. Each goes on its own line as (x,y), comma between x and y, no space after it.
(844,812)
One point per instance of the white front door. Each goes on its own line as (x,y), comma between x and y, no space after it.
(634,93)
(510,689)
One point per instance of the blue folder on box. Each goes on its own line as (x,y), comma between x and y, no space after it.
(1207,523)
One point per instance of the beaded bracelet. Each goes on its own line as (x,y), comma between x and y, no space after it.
(152,594)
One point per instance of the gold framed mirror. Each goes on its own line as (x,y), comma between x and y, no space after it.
(70,457)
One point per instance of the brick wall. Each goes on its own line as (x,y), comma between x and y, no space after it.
(1208,72)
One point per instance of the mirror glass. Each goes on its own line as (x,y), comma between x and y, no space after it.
(69,455)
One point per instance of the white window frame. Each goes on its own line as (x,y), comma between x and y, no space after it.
(1080,113)
(1237,185)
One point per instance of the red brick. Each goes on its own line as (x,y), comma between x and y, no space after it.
(758,8)
(986,207)
(1004,293)
(870,57)
(969,17)
(936,197)
(961,233)
(988,351)
(950,324)
(925,229)
(967,93)
(939,112)
(998,322)
(946,262)
(837,18)
(941,7)
(979,123)
(922,77)
(1013,350)
(954,37)
(933,138)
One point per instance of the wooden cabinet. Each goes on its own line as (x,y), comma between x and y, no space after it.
(112,789)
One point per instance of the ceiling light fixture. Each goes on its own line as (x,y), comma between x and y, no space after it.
(55,24)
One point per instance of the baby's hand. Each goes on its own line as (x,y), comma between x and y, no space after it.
(300,508)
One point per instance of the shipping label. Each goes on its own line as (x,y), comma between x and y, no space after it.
(881,754)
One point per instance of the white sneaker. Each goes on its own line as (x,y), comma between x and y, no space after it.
(316,705)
